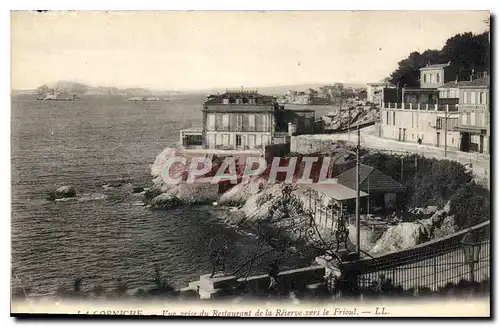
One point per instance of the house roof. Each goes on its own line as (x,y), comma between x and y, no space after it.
(336,191)
(435,66)
(371,180)
(260,98)
(478,82)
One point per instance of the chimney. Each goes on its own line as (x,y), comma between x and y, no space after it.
(472,75)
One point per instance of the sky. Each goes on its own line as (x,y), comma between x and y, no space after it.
(203,50)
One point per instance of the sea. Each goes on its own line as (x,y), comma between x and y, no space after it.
(105,237)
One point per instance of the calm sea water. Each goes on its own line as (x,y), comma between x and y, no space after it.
(87,144)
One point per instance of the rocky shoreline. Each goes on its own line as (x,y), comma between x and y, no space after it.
(250,202)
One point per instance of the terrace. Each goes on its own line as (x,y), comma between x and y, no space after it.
(420,106)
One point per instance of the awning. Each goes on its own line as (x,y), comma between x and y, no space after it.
(336,191)
(471,129)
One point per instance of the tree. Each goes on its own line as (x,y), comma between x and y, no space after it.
(470,205)
(408,71)
(465,52)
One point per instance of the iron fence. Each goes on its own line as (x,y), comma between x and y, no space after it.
(429,266)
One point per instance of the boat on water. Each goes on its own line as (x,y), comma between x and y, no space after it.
(58,96)
(147,99)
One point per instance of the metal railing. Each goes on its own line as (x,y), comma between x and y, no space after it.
(430,266)
(420,106)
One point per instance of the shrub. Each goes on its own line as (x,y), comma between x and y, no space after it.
(470,205)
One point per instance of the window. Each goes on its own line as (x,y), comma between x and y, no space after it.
(393,118)
(211,122)
(438,79)
(465,97)
(439,123)
(387,118)
(225,122)
(473,97)
(251,122)
(417,120)
(412,136)
(473,118)
(225,139)
(264,122)
(452,140)
(464,118)
(425,78)
(239,123)
(412,114)
(481,97)
(238,140)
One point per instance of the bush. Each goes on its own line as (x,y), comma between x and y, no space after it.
(470,205)
(429,182)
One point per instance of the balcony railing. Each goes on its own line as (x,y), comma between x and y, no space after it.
(419,106)
(429,265)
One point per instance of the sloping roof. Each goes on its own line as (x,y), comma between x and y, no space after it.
(336,191)
(478,82)
(435,66)
(371,180)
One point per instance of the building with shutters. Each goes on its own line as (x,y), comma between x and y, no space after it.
(422,115)
(473,97)
(247,120)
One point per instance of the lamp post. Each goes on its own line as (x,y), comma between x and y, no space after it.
(471,247)
(359,159)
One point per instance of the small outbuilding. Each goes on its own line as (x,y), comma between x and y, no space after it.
(382,189)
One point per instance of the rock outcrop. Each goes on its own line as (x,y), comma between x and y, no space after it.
(409,234)
(66,191)
(165,195)
(240,193)
(401,236)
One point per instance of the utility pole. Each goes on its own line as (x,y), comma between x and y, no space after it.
(401,180)
(446,132)
(416,165)
(358,226)
(349,123)
(368,198)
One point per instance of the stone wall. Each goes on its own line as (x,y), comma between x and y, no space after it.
(300,279)
(309,144)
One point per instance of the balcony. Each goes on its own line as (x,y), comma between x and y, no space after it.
(420,106)
(473,106)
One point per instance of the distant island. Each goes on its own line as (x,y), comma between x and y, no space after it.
(67,89)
